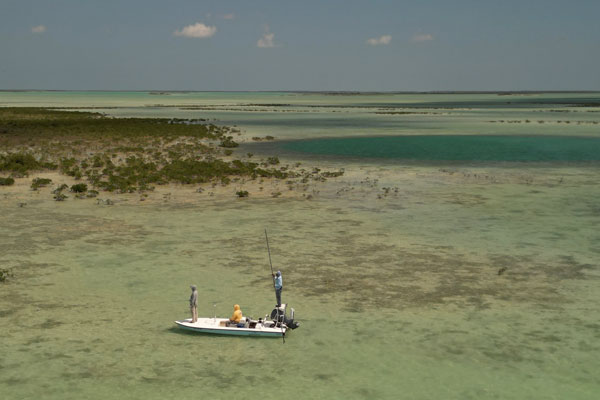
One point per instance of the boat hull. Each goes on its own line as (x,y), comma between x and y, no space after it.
(215,327)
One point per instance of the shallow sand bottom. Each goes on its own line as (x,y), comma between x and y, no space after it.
(393,272)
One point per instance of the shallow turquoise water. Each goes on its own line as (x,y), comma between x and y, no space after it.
(393,268)
(455,148)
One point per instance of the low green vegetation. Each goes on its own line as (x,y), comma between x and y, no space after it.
(24,123)
(273,160)
(58,192)
(20,163)
(40,182)
(79,188)
(122,155)
(60,196)
(332,174)
(60,188)
(228,142)
(4,274)
(7,181)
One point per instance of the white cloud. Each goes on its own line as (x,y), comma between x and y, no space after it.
(198,30)
(38,29)
(422,37)
(229,16)
(383,40)
(266,40)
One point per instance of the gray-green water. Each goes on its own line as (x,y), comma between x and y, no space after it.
(392,269)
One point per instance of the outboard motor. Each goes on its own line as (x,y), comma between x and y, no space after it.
(290,322)
(278,316)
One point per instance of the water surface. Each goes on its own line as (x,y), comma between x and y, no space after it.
(456,148)
(393,268)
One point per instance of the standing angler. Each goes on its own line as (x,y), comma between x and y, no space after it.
(194,303)
(278,287)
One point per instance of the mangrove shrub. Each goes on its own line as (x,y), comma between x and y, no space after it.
(6,181)
(79,188)
(40,182)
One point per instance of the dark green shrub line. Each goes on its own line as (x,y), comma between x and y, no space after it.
(25,122)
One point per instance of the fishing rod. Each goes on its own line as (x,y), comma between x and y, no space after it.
(270,263)
(273,274)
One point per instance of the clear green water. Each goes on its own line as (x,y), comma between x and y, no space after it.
(456,148)
(398,291)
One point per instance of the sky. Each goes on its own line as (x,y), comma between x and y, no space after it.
(317,45)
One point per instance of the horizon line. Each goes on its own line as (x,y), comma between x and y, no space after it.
(155,91)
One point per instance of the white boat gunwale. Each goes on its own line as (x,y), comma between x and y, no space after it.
(214,326)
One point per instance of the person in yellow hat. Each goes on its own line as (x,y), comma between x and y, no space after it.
(237,316)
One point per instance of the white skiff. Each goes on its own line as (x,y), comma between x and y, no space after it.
(248,327)
(275,325)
